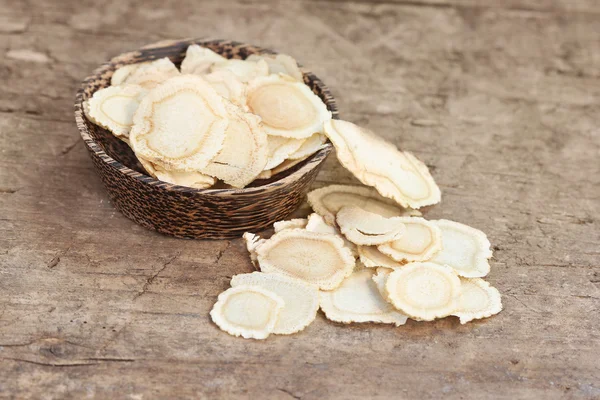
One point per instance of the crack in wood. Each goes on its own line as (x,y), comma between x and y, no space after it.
(151,279)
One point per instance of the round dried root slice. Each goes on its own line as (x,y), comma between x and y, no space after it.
(279,64)
(252,243)
(266,174)
(316,223)
(316,258)
(229,86)
(477,300)
(308,147)
(287,164)
(151,74)
(420,242)
(244,153)
(279,149)
(375,162)
(122,73)
(194,180)
(181,124)
(301,299)
(464,248)
(113,107)
(198,60)
(357,299)
(373,258)
(328,200)
(148,166)
(366,228)
(244,70)
(380,278)
(287,108)
(296,223)
(247,311)
(424,290)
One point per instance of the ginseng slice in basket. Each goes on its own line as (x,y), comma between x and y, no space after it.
(279,64)
(279,149)
(114,107)
(477,300)
(198,60)
(120,75)
(421,240)
(151,74)
(365,228)
(244,70)
(192,179)
(295,223)
(229,86)
(371,257)
(309,147)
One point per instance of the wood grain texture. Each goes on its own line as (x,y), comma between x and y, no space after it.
(501,100)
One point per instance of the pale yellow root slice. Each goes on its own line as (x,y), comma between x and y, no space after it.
(113,107)
(227,84)
(316,258)
(464,248)
(327,201)
(122,73)
(309,147)
(198,60)
(375,162)
(266,174)
(373,258)
(477,300)
(316,223)
(301,299)
(421,240)
(357,299)
(247,311)
(424,290)
(181,124)
(279,149)
(192,179)
(295,223)
(148,166)
(244,153)
(244,70)
(366,228)
(279,64)
(287,108)
(380,278)
(287,164)
(151,74)
(252,243)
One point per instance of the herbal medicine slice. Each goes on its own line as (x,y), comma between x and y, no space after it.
(198,60)
(477,300)
(316,223)
(295,223)
(247,311)
(151,74)
(121,74)
(380,278)
(113,107)
(195,180)
(244,70)
(421,240)
(279,149)
(365,228)
(227,84)
(252,243)
(301,299)
(310,146)
(371,257)
(424,290)
(279,64)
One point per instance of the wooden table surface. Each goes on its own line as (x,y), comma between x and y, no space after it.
(500,98)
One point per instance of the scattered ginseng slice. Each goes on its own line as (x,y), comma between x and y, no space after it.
(464,248)
(198,60)
(244,153)
(287,108)
(358,299)
(380,278)
(316,258)
(244,70)
(309,146)
(420,242)
(113,107)
(279,149)
(366,228)
(252,243)
(301,299)
(295,223)
(316,223)
(162,136)
(229,86)
(151,74)
(424,290)
(375,162)
(371,257)
(279,64)
(247,311)
(327,201)
(477,300)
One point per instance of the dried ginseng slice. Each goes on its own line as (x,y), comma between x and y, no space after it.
(229,86)
(309,146)
(284,166)
(279,64)
(477,300)
(287,108)
(122,73)
(296,223)
(279,149)
(316,258)
(328,200)
(192,179)
(365,228)
(244,70)
(113,107)
(420,242)
(180,125)
(357,299)
(316,223)
(301,299)
(464,248)
(244,153)
(380,278)
(198,60)
(371,257)
(247,311)
(252,243)
(424,290)
(151,74)
(375,162)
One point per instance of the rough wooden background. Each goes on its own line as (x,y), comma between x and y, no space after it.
(500,98)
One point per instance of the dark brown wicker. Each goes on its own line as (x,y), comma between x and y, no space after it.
(181,211)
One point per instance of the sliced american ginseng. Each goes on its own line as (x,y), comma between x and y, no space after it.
(296,223)
(244,70)
(380,278)
(327,201)
(287,164)
(151,74)
(316,223)
(279,149)
(122,73)
(181,124)
(373,258)
(316,258)
(424,290)
(366,228)
(464,248)
(309,147)
(477,300)
(279,64)
(247,311)
(244,152)
(198,60)
(287,108)
(252,243)
(192,179)
(266,174)
(301,299)
(113,107)
(375,162)
(357,299)
(229,86)
(420,242)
